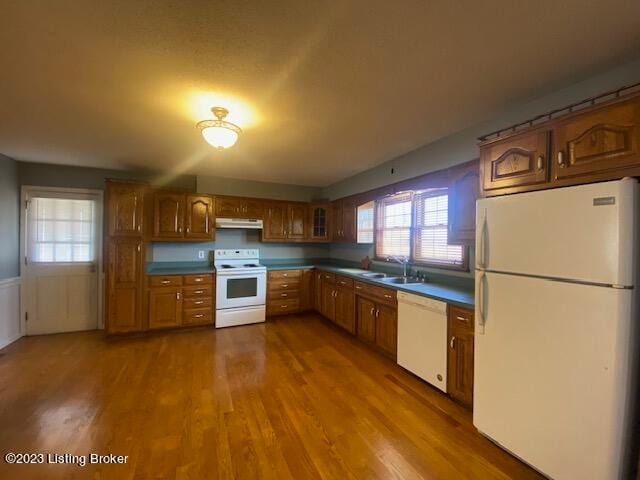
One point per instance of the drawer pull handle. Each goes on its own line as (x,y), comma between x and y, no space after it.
(462,319)
(198,279)
(165,281)
(285,285)
(386,295)
(283,306)
(358,287)
(284,294)
(285,274)
(198,302)
(199,291)
(199,315)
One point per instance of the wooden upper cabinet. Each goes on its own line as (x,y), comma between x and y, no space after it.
(596,142)
(125,209)
(124,276)
(319,222)
(168,215)
(517,161)
(344,221)
(296,220)
(239,207)
(227,207)
(199,218)
(460,356)
(275,221)
(463,193)
(387,329)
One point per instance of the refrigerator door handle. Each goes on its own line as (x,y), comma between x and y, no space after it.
(481,304)
(482,246)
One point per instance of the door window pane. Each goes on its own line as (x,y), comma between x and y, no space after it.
(61,230)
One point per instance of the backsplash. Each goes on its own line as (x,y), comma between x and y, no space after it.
(188,252)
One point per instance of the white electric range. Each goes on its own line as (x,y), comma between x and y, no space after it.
(241,287)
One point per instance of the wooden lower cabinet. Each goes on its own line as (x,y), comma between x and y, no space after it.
(366,320)
(165,307)
(387,329)
(460,357)
(344,299)
(289,291)
(123,286)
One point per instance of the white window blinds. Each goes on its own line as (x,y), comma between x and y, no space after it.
(431,245)
(365,222)
(393,226)
(61,230)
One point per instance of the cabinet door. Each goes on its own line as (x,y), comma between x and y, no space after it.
(387,329)
(252,208)
(275,220)
(328,301)
(199,222)
(168,215)
(227,207)
(366,320)
(307,292)
(124,277)
(349,229)
(460,356)
(296,219)
(318,223)
(165,307)
(463,193)
(345,309)
(599,142)
(338,228)
(124,209)
(517,161)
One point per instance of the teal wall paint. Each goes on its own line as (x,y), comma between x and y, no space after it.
(251,188)
(186,252)
(463,146)
(49,175)
(9,218)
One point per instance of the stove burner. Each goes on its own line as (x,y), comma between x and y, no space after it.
(251,265)
(227,266)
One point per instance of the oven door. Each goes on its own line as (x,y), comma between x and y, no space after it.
(240,289)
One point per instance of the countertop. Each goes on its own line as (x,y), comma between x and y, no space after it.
(436,289)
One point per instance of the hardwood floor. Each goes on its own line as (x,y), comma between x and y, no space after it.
(294,398)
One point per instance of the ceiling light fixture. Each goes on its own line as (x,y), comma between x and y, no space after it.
(219,133)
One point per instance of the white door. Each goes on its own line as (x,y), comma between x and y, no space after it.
(584,233)
(552,371)
(61,262)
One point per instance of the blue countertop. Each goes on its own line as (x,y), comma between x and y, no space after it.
(456,294)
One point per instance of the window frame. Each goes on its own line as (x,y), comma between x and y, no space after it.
(413,237)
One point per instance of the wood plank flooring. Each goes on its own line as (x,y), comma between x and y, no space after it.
(295,398)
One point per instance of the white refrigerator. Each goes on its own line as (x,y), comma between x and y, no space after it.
(556,328)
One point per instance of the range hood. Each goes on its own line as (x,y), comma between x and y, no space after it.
(239,223)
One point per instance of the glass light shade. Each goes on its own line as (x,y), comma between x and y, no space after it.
(220,137)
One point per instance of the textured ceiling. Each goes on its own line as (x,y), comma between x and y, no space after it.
(323,89)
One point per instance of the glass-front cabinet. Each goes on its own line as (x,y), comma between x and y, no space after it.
(319,224)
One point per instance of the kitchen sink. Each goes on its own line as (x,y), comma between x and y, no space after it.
(373,275)
(403,280)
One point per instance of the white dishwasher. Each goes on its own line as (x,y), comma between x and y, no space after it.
(422,338)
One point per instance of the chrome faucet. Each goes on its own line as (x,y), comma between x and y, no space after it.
(404,261)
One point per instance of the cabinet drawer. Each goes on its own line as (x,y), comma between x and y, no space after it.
(382,294)
(461,319)
(283,284)
(198,315)
(284,274)
(276,307)
(196,302)
(198,279)
(328,277)
(165,281)
(344,281)
(284,295)
(197,291)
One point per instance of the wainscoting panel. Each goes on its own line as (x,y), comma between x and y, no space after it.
(9,311)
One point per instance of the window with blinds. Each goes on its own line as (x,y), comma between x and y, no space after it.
(430,239)
(393,226)
(365,222)
(61,230)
